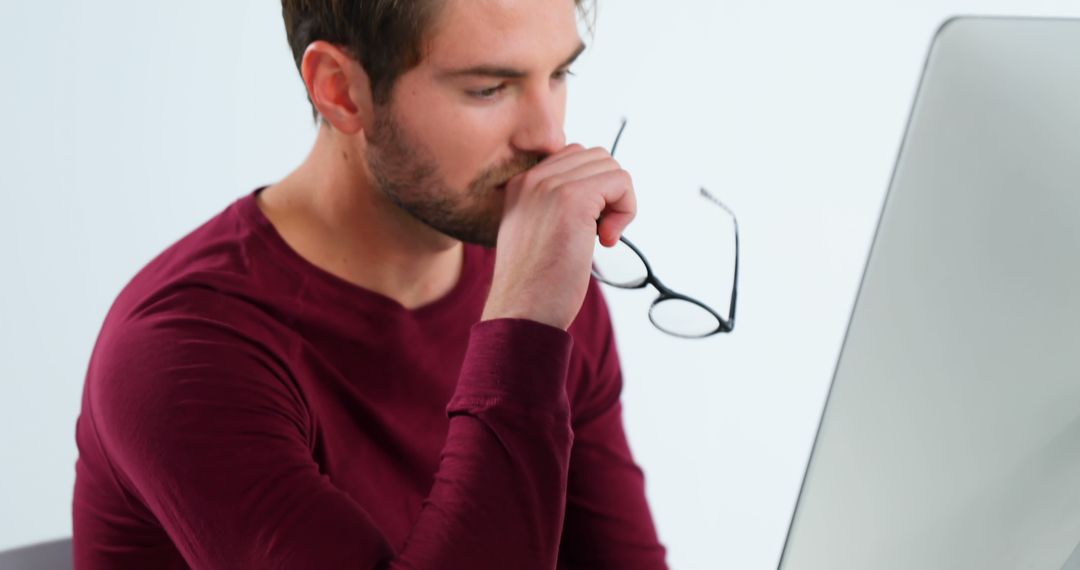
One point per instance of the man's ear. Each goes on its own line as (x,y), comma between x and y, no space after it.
(338,87)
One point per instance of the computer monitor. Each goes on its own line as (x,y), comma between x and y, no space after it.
(951,434)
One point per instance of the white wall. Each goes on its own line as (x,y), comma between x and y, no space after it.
(122,127)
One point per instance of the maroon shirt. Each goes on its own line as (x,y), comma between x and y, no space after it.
(246,409)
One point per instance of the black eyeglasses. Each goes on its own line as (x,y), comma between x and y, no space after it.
(624,266)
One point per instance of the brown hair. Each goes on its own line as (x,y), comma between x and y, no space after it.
(387,34)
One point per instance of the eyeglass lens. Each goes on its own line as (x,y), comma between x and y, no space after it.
(624,267)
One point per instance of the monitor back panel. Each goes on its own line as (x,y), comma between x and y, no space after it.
(951,435)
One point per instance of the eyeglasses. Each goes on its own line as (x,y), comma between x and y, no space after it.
(624,266)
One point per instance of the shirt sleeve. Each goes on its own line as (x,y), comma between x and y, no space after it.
(206,428)
(608,523)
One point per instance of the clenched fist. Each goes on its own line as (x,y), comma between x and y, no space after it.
(553,215)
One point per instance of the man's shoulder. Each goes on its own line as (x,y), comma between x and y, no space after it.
(214,246)
(184,342)
(198,298)
(212,270)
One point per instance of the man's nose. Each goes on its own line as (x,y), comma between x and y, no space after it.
(540,126)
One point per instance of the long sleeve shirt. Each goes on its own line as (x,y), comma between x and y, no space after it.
(244,408)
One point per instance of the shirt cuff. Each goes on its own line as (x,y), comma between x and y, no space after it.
(515,361)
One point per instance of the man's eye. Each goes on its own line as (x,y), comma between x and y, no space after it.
(488,93)
(561,74)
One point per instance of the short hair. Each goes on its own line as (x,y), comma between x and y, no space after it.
(388,35)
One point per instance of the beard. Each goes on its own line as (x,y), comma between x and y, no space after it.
(407,174)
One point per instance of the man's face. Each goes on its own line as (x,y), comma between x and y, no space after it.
(486,103)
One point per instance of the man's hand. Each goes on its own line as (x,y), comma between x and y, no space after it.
(553,215)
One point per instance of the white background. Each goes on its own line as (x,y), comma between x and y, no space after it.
(125,124)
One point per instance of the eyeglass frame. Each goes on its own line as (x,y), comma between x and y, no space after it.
(667,294)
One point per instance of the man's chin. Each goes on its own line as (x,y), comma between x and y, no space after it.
(484,234)
(486,239)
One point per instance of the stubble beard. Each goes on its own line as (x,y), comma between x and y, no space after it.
(409,177)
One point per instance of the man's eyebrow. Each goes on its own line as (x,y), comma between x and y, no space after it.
(505,72)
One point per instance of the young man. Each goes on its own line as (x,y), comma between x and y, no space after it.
(338,371)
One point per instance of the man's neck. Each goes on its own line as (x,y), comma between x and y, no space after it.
(330,213)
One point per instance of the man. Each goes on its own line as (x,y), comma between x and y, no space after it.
(338,371)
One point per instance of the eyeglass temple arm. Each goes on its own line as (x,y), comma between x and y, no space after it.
(735,278)
(615,144)
(705,193)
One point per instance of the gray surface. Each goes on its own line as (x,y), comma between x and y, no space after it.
(1073,563)
(951,436)
(55,555)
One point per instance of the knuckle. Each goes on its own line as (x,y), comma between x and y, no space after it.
(618,179)
(547,184)
(529,179)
